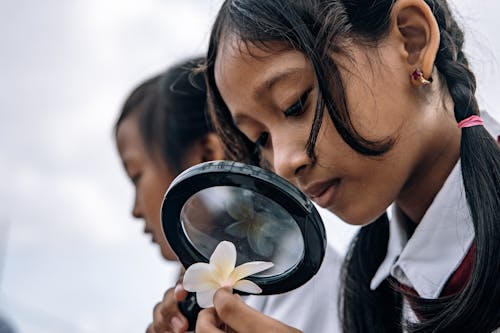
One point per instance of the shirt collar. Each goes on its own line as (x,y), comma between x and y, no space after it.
(437,247)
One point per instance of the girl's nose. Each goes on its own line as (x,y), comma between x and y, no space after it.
(136,209)
(290,160)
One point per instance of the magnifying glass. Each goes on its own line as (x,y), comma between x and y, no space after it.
(266,217)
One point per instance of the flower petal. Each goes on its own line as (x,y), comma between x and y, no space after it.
(249,268)
(272,226)
(223,260)
(242,208)
(260,244)
(234,211)
(205,299)
(199,277)
(247,286)
(237,229)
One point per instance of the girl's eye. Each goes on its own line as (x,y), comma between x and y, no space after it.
(135,178)
(298,107)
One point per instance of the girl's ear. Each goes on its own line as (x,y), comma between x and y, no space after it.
(205,149)
(413,24)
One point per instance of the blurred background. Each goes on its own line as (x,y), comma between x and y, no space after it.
(72,259)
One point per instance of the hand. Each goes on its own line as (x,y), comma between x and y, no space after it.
(231,314)
(166,315)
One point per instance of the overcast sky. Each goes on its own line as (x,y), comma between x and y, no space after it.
(71,257)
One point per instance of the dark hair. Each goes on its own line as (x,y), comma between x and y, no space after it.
(317,29)
(171,110)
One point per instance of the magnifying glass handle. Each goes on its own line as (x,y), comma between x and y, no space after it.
(190,309)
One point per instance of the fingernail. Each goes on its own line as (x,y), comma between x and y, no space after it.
(176,324)
(178,288)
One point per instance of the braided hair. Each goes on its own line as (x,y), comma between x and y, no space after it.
(476,308)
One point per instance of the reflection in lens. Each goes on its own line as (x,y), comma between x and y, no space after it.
(259,227)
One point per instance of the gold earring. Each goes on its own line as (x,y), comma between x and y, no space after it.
(418,75)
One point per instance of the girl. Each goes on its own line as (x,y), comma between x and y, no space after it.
(363,104)
(161,131)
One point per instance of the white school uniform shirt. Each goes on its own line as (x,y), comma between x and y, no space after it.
(313,306)
(438,245)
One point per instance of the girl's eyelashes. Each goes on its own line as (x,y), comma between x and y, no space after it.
(135,178)
(295,110)
(298,107)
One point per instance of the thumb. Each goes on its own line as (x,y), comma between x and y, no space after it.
(233,311)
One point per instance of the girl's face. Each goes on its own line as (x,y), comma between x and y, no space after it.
(264,91)
(150,176)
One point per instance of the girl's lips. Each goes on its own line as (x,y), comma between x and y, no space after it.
(149,232)
(324,193)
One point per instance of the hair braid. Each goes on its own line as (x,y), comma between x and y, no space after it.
(475,309)
(452,63)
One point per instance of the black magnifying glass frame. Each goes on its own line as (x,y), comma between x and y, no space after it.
(255,179)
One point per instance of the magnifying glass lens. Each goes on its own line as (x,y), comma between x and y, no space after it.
(260,228)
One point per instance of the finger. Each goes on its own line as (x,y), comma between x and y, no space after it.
(169,304)
(180,293)
(208,322)
(167,293)
(235,313)
(179,324)
(159,323)
(157,312)
(166,315)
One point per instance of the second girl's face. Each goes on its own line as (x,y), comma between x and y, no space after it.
(150,176)
(271,95)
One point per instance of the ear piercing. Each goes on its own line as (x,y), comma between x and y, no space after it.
(418,76)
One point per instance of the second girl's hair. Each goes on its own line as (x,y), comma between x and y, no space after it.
(171,111)
(317,28)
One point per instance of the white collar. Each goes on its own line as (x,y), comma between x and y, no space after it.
(437,247)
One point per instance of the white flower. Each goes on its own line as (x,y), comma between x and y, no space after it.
(205,279)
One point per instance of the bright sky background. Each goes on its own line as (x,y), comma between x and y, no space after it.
(71,257)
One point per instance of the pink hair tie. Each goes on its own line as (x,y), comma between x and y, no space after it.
(471,121)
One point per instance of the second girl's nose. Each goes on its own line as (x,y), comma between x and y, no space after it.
(136,209)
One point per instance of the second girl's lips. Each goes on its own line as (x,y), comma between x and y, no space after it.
(323,193)
(149,232)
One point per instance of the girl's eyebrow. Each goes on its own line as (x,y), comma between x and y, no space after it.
(274,79)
